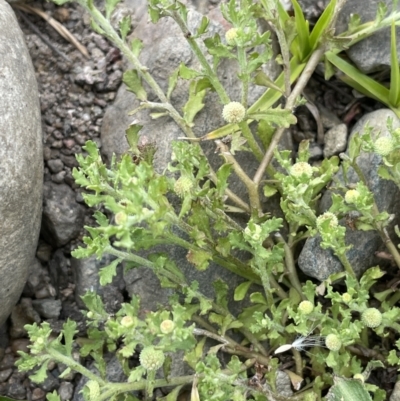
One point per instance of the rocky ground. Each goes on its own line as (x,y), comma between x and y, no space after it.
(74,93)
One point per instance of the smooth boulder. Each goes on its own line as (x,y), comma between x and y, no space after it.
(21,162)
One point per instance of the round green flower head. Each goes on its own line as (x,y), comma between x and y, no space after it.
(183,186)
(327,216)
(306,307)
(120,218)
(301,169)
(151,358)
(167,326)
(346,298)
(127,321)
(230,36)
(233,112)
(351,196)
(371,317)
(332,342)
(383,145)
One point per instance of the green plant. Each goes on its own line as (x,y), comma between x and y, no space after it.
(362,82)
(190,206)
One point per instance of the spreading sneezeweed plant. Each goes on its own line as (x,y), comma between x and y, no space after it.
(190,206)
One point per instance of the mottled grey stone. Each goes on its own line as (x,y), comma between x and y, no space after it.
(21,161)
(62,215)
(319,263)
(47,308)
(335,140)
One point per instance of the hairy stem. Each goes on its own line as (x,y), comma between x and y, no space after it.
(290,104)
(252,188)
(209,72)
(290,266)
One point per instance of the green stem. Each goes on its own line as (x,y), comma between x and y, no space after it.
(251,187)
(394,299)
(346,264)
(248,135)
(298,362)
(290,104)
(73,365)
(250,336)
(209,72)
(242,59)
(290,266)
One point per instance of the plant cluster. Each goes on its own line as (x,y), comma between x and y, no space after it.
(328,328)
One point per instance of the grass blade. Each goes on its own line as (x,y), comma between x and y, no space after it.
(394,92)
(303,32)
(358,80)
(321,25)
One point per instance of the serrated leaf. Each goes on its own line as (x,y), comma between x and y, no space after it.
(241,290)
(203,26)
(172,80)
(278,116)
(132,136)
(136,46)
(347,389)
(384,173)
(110,7)
(194,104)
(125,26)
(69,328)
(199,258)
(107,273)
(188,73)
(258,298)
(269,190)
(41,374)
(97,28)
(49,397)
(132,80)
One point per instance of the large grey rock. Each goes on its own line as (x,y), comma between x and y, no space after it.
(319,263)
(371,54)
(21,161)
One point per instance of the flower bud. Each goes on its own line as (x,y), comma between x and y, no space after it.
(120,218)
(167,326)
(306,307)
(371,317)
(346,298)
(332,342)
(233,112)
(383,145)
(230,36)
(327,216)
(301,169)
(183,186)
(151,358)
(127,321)
(351,196)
